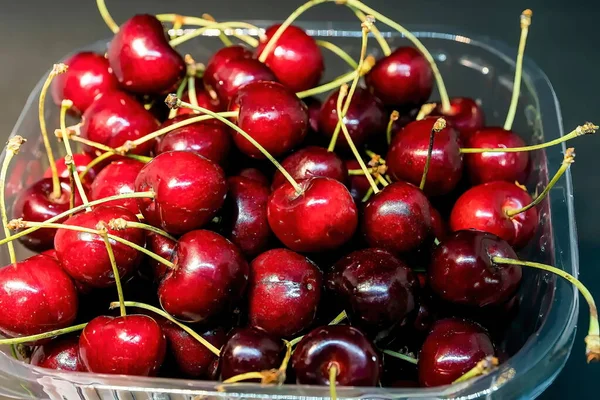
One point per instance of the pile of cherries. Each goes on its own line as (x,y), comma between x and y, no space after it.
(380,250)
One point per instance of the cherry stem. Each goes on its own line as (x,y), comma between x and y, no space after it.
(118,224)
(401,356)
(367,195)
(164,314)
(382,180)
(177,24)
(388,131)
(40,336)
(113,264)
(339,318)
(222,36)
(593,339)
(332,380)
(438,126)
(483,367)
(71,134)
(512,110)
(182,86)
(65,105)
(267,376)
(425,110)
(326,87)
(219,26)
(567,161)
(246,377)
(69,161)
(339,52)
(385,47)
(108,19)
(173,102)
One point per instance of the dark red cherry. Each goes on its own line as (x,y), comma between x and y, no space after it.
(402,79)
(452,348)
(24,173)
(283,292)
(255,174)
(188,191)
(407,156)
(296,59)
(484,207)
(117,178)
(365,118)
(60,354)
(342,346)
(272,115)
(37,296)
(213,78)
(377,290)
(462,269)
(203,98)
(489,167)
(314,109)
(398,218)
(131,345)
(142,59)
(113,119)
(438,224)
(358,184)
(88,76)
(162,246)
(81,160)
(250,350)
(322,217)
(209,276)
(84,256)
(465,115)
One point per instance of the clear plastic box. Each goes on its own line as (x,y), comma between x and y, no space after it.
(544,329)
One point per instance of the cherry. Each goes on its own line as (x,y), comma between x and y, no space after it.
(272,115)
(312,161)
(37,295)
(209,139)
(117,178)
(88,76)
(322,217)
(189,190)
(340,346)
(462,270)
(203,98)
(398,218)
(162,246)
(358,184)
(365,117)
(486,207)
(408,151)
(81,161)
(213,77)
(377,290)
(250,350)
(255,174)
(452,348)
(402,79)
(296,59)
(465,115)
(283,292)
(142,59)
(130,345)
(61,354)
(113,119)
(313,105)
(209,276)
(84,257)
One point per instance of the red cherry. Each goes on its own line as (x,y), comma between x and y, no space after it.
(142,59)
(465,115)
(84,256)
(162,246)
(402,79)
(88,76)
(189,190)
(60,354)
(209,276)
(131,345)
(255,174)
(212,78)
(37,296)
(453,347)
(314,109)
(272,115)
(117,178)
(81,160)
(323,217)
(296,58)
(438,225)
(24,173)
(485,207)
(203,98)
(359,184)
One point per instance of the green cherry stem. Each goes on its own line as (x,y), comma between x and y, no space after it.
(222,36)
(385,47)
(401,356)
(65,105)
(438,126)
(12,149)
(425,110)
(388,131)
(338,51)
(483,367)
(333,372)
(111,255)
(180,89)
(108,19)
(118,224)
(326,87)
(40,336)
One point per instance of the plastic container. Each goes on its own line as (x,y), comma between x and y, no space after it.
(544,329)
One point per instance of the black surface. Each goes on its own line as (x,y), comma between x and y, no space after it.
(563,41)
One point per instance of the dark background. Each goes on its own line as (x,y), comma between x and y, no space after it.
(563,41)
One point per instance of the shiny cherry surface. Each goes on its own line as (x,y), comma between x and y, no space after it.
(60,354)
(162,246)
(464,114)
(117,178)
(358,184)
(255,174)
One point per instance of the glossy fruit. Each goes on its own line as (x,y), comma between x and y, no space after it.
(465,115)
(60,354)
(117,178)
(314,109)
(203,98)
(255,174)
(163,247)
(81,160)
(358,184)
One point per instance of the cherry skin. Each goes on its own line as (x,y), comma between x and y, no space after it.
(365,118)
(402,79)
(296,59)
(203,98)
(60,354)
(80,160)
(397,219)
(462,270)
(213,79)
(452,348)
(38,295)
(210,275)
(465,115)
(88,76)
(342,346)
(142,59)
(314,109)
(250,350)
(117,178)
(255,174)
(131,345)
(81,288)
(272,115)
(312,161)
(358,184)
(188,191)
(162,246)
(489,167)
(322,217)
(484,207)
(407,156)
(84,256)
